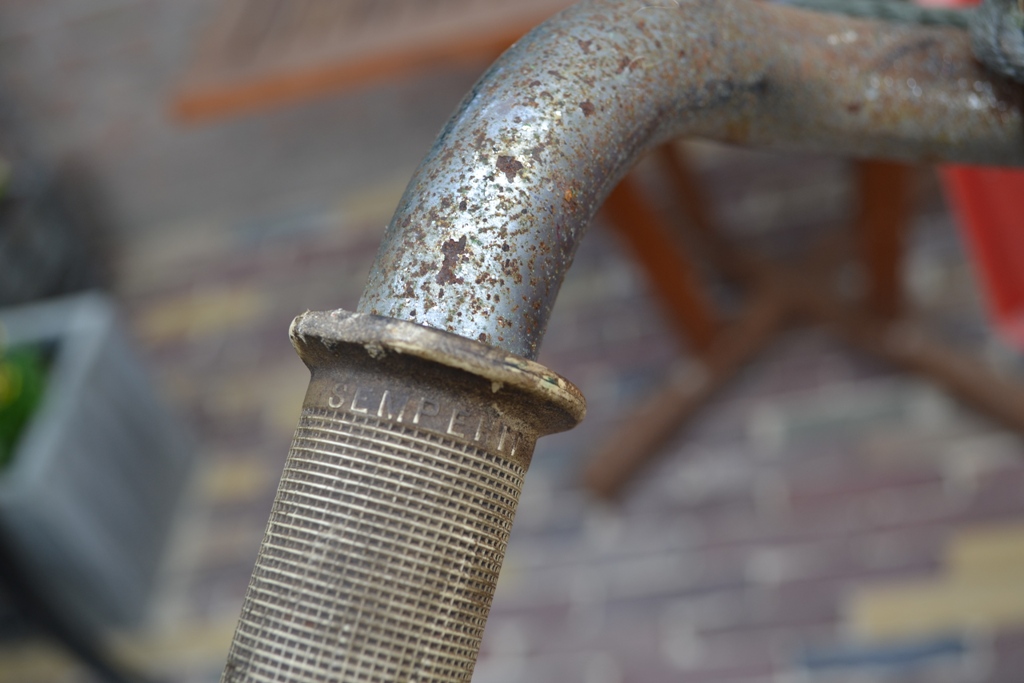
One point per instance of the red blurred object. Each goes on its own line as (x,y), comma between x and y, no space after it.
(989,205)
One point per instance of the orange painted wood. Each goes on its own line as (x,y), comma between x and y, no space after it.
(259,53)
(885,190)
(665,262)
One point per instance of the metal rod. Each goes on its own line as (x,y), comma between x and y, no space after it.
(490,222)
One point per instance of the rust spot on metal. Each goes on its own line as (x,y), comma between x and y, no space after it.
(452,250)
(588,107)
(511,269)
(510,166)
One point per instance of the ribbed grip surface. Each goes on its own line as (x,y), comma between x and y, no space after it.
(380,557)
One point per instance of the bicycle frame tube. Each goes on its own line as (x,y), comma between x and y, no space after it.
(490,221)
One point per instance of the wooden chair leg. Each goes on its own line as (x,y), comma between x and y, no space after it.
(777,292)
(737,265)
(647,428)
(664,260)
(691,199)
(720,352)
(910,347)
(885,190)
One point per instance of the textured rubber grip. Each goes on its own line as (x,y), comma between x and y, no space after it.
(394,532)
(393,514)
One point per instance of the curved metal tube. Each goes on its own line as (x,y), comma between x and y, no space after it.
(489,224)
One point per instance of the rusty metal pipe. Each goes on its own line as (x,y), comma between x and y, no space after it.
(490,221)
(391,520)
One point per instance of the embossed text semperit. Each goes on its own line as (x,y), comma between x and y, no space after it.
(491,433)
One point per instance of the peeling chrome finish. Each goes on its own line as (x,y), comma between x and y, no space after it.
(489,223)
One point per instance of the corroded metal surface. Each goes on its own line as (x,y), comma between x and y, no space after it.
(489,223)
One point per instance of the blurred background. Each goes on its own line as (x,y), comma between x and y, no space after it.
(182,177)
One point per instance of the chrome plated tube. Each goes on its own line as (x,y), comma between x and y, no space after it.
(490,221)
